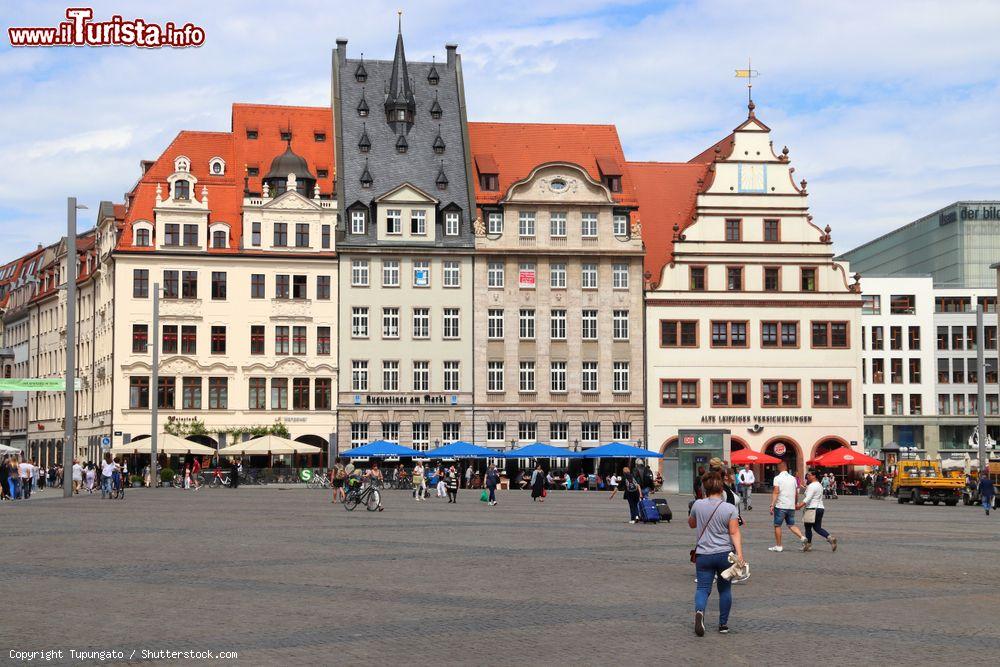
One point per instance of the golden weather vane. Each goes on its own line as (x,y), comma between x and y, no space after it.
(749,74)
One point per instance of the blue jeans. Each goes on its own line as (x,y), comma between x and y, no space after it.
(706,567)
(12,485)
(493,493)
(987,503)
(786,516)
(105,485)
(633,506)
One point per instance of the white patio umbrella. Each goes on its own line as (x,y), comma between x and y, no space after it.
(165,444)
(269,444)
(4,449)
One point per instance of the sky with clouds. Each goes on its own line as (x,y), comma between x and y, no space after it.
(890,109)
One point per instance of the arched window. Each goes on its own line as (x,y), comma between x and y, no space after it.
(182,189)
(216,166)
(219,239)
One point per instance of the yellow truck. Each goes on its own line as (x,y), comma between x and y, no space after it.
(923,481)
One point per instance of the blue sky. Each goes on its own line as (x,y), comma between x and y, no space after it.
(889,109)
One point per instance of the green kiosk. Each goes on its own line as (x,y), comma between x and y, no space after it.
(694,449)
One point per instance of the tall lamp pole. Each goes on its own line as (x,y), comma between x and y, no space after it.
(155,388)
(69,436)
(981,386)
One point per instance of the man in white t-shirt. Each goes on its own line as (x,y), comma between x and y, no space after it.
(77,476)
(744,481)
(24,471)
(783,505)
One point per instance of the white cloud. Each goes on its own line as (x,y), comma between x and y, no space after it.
(888,108)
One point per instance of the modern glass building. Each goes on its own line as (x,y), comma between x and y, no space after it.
(955,246)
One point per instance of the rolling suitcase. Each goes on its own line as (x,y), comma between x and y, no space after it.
(664,509)
(648,512)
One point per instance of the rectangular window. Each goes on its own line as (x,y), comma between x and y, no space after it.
(281,340)
(450,323)
(421,323)
(279,393)
(730,393)
(189,339)
(359,376)
(902,304)
(557,377)
(140,338)
(527,431)
(557,224)
(451,276)
(619,276)
(619,324)
(418,222)
(451,224)
(494,323)
(258,393)
(280,234)
(169,339)
(779,334)
(138,393)
(958,371)
(878,404)
(558,431)
(494,222)
(526,324)
(421,273)
(729,334)
(526,377)
(621,431)
(218,340)
(526,223)
(495,431)
(165,394)
(779,394)
(734,278)
(190,235)
(588,322)
(808,281)
(255,234)
(299,341)
(526,272)
(557,275)
(359,434)
(140,283)
(390,322)
(697,282)
(678,333)
(914,371)
(895,338)
(393,221)
(357,222)
(171,234)
(588,276)
(390,273)
(734,230)
(679,393)
(189,284)
(390,376)
(831,394)
(957,338)
(772,279)
(323,343)
(322,393)
(878,338)
(421,376)
(325,237)
(218,284)
(282,286)
(218,393)
(300,393)
(359,322)
(772,233)
(588,225)
(494,376)
(494,275)
(451,376)
(619,225)
(620,377)
(871,304)
(323,288)
(588,377)
(301,235)
(191,393)
(832,335)
(421,436)
(256,339)
(390,431)
(359,273)
(557,328)
(590,431)
(257,286)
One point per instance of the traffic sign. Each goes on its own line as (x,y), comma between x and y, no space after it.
(37,384)
(105,442)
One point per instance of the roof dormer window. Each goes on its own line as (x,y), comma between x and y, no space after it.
(217,166)
(363,105)
(432,76)
(364,143)
(251,134)
(286,135)
(182,189)
(182,164)
(366,178)
(360,73)
(436,110)
(439,143)
(402,144)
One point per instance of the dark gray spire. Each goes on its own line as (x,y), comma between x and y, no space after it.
(399,101)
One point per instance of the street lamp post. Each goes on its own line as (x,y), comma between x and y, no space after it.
(154,388)
(69,435)
(981,386)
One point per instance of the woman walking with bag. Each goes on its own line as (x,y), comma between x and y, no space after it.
(492,480)
(451,481)
(538,484)
(813,516)
(419,482)
(630,490)
(717,523)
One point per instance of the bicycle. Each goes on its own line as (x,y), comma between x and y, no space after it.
(219,478)
(319,482)
(363,493)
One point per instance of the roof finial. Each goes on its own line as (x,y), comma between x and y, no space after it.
(749,74)
(400,13)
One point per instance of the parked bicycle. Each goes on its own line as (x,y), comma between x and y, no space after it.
(314,479)
(219,478)
(366,494)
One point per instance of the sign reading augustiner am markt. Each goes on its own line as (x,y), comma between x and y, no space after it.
(36,384)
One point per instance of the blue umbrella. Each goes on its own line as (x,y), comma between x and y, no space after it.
(538,450)
(619,450)
(463,450)
(380,448)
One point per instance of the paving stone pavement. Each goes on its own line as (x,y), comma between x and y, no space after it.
(283,575)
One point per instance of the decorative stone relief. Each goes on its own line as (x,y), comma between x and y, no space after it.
(478,226)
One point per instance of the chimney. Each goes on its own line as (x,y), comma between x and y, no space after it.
(451,49)
(341,49)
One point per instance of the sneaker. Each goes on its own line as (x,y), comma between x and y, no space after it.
(632,521)
(833,543)
(776,549)
(699,623)
(807,546)
(723,629)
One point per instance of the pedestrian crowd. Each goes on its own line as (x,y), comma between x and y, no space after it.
(20,477)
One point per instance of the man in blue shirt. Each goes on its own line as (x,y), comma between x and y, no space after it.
(986,491)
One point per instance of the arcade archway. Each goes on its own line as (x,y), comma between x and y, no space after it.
(787,450)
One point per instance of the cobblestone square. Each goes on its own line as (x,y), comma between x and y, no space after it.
(282,575)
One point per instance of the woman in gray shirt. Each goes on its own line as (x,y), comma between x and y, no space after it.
(717,523)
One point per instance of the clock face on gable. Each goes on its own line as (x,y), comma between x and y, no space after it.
(752,178)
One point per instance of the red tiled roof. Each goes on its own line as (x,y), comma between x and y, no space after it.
(667,197)
(225,193)
(517,148)
(725,150)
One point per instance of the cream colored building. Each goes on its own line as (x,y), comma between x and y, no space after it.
(752,327)
(558,313)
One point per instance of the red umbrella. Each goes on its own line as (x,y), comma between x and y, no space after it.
(749,456)
(844,456)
